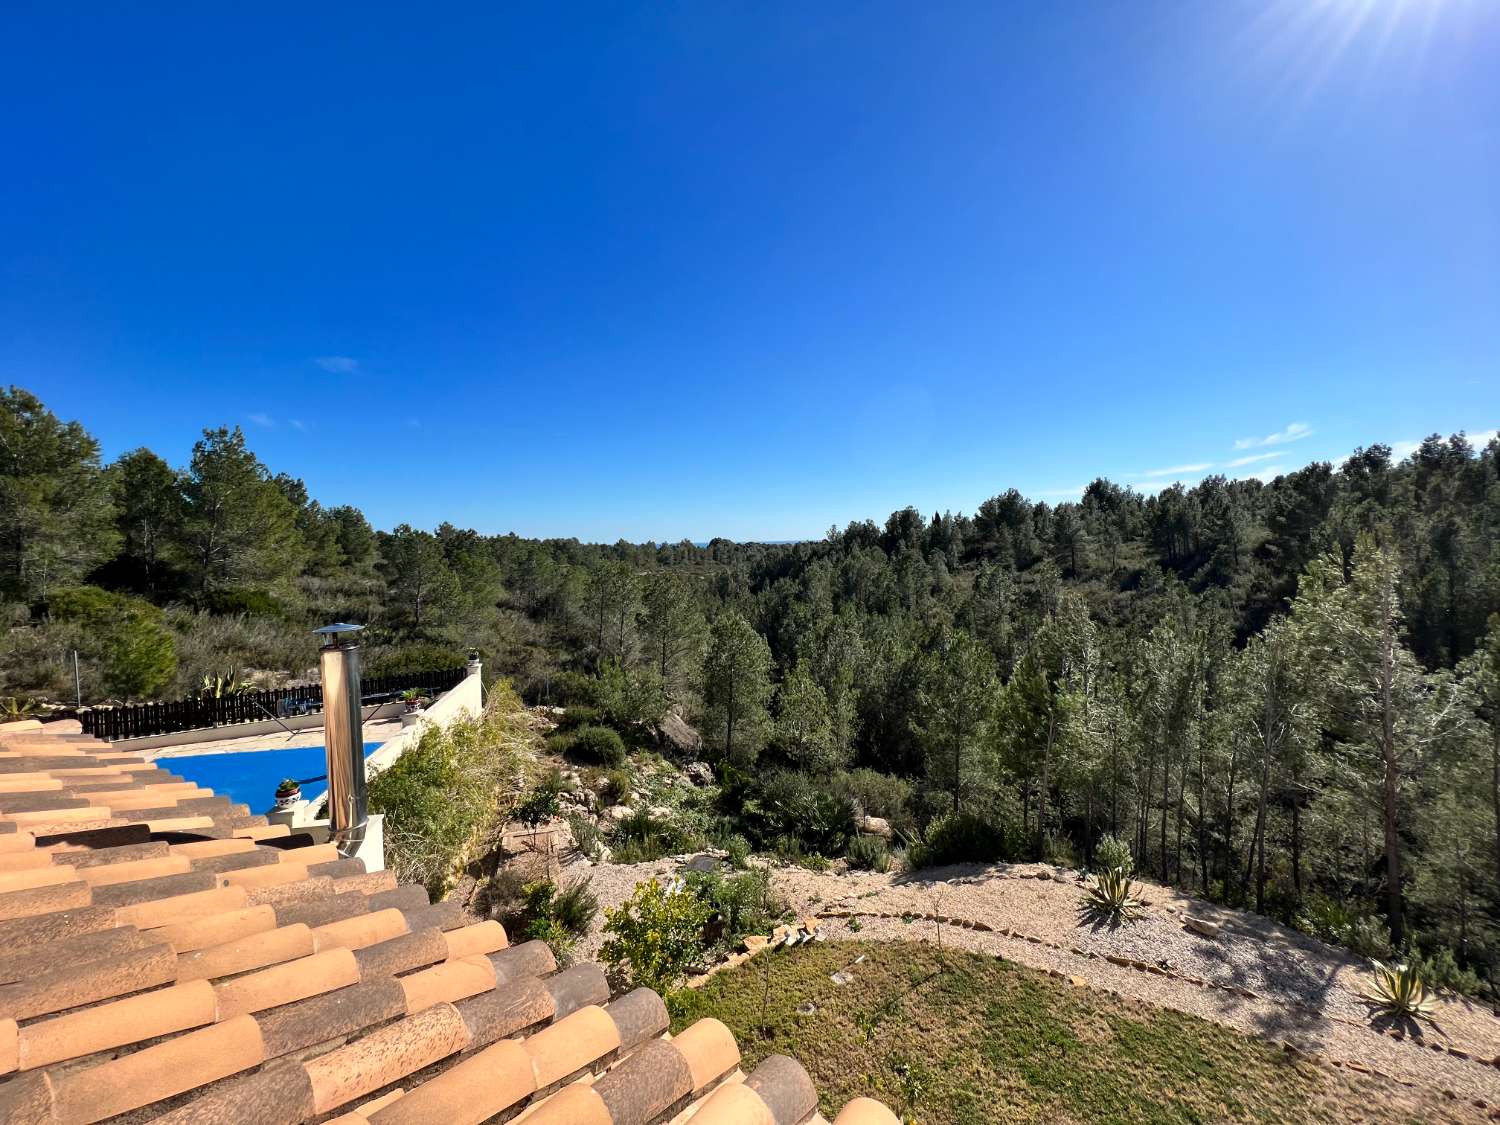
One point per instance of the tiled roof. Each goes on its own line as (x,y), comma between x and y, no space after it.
(166,956)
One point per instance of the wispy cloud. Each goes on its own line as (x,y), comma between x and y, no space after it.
(1268,474)
(297,424)
(262,419)
(1294,432)
(1251,459)
(338,364)
(1179,470)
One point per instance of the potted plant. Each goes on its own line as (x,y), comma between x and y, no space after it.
(288,793)
(412,697)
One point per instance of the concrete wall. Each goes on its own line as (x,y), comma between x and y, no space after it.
(465,698)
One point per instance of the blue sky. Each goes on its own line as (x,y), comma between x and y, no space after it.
(667,271)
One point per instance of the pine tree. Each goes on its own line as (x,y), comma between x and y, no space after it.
(56,515)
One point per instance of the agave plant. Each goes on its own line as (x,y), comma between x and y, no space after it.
(222,685)
(1112,897)
(1399,991)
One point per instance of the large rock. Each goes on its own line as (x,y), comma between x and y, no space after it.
(1201,926)
(699,773)
(678,735)
(874,826)
(618,813)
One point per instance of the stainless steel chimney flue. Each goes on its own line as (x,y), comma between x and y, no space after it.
(343,737)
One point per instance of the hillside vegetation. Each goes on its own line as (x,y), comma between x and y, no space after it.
(1284,694)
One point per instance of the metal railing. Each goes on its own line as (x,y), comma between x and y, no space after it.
(139,720)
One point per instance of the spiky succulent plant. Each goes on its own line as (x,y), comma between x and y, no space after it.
(1112,896)
(1399,991)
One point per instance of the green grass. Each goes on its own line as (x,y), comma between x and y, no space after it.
(966,1039)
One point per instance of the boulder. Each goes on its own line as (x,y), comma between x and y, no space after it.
(874,826)
(659,812)
(618,813)
(1201,926)
(678,735)
(699,773)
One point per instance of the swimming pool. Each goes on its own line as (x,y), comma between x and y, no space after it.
(250,777)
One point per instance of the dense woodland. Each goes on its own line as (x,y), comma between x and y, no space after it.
(1284,695)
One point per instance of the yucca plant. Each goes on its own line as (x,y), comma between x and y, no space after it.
(1112,896)
(1399,991)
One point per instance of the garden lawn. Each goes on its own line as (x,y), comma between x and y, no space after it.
(967,1039)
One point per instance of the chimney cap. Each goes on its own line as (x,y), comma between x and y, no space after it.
(332,633)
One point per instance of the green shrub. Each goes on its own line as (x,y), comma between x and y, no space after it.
(629,697)
(962,837)
(737,849)
(570,688)
(575,906)
(1113,854)
(1442,970)
(440,794)
(797,807)
(643,838)
(878,794)
(869,853)
(1351,924)
(246,600)
(541,804)
(599,745)
(558,918)
(126,637)
(742,902)
(656,936)
(417,656)
(586,834)
(617,786)
(579,715)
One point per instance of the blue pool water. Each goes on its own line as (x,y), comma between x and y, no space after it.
(250,777)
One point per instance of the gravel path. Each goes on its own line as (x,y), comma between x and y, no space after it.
(1256,976)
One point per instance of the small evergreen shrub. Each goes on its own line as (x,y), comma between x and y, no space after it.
(579,715)
(656,936)
(869,853)
(879,794)
(599,745)
(737,849)
(962,837)
(556,916)
(1113,854)
(642,838)
(793,806)
(741,902)
(586,834)
(541,804)
(617,786)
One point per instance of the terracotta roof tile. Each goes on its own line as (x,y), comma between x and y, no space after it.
(167,955)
